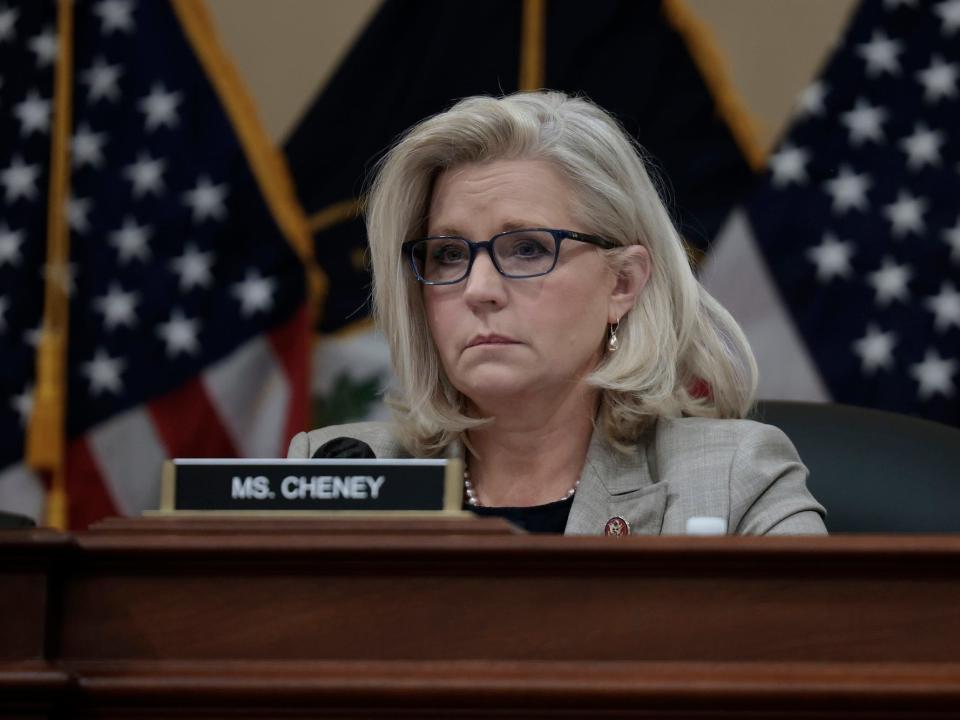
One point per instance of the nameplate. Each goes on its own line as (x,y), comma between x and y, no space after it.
(399,487)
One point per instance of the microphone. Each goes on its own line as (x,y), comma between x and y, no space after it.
(344,447)
(9,520)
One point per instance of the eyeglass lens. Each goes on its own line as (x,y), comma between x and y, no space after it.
(524,253)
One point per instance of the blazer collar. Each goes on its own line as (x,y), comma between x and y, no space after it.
(616,485)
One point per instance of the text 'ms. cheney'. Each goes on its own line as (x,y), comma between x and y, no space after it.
(302,487)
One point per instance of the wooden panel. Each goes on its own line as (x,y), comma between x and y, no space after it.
(523,689)
(512,598)
(218,618)
(315,615)
(30,685)
(272,524)
(27,558)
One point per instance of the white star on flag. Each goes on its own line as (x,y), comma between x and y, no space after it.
(10,242)
(103,372)
(193,268)
(864,122)
(207,200)
(935,375)
(832,258)
(946,307)
(19,180)
(102,79)
(22,403)
(160,108)
(33,113)
(44,46)
(789,165)
(255,293)
(146,174)
(939,80)
(114,15)
(32,336)
(848,190)
(949,13)
(180,334)
(890,282)
(906,214)
(87,147)
(8,18)
(922,147)
(78,210)
(811,100)
(875,349)
(880,55)
(117,307)
(952,237)
(131,241)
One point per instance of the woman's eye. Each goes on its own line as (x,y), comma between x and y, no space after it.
(529,248)
(449,254)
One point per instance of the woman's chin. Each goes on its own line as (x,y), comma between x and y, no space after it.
(495,385)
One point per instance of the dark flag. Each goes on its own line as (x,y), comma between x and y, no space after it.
(164,301)
(636,59)
(844,267)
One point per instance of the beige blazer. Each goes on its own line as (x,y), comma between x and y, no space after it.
(745,472)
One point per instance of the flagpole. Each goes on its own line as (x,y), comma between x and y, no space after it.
(713,66)
(532,55)
(45,435)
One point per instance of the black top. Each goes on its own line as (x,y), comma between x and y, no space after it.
(549,518)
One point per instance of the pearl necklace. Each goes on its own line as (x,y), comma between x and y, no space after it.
(474,501)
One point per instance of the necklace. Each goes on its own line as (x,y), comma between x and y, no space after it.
(474,501)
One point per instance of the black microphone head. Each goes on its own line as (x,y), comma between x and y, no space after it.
(344,447)
(9,520)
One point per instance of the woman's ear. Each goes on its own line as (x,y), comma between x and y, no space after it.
(633,272)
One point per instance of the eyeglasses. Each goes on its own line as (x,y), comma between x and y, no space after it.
(448,259)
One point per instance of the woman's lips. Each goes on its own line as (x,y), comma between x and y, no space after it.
(490,340)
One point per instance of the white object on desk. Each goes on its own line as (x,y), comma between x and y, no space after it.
(706,526)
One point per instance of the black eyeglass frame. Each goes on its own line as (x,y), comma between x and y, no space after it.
(558,237)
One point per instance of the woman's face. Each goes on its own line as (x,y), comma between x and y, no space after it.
(501,338)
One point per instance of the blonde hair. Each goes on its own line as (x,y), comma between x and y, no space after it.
(680,352)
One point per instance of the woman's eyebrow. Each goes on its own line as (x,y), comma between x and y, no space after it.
(518,225)
(504,227)
(446,230)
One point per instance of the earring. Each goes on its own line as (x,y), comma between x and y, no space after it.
(613,342)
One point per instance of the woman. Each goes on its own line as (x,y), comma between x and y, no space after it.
(541,310)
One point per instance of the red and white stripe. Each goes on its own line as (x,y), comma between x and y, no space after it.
(736,274)
(249,404)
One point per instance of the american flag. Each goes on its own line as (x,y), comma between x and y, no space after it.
(187,281)
(844,267)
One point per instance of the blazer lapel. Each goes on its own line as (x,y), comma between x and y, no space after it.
(616,485)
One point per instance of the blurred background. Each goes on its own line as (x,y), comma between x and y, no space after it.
(286,50)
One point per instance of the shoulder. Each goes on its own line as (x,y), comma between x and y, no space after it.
(709,439)
(749,468)
(711,427)
(378,435)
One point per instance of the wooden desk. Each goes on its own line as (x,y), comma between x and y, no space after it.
(155,618)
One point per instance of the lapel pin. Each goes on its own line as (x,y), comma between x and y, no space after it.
(616,526)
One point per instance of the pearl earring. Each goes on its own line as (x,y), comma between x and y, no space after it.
(613,342)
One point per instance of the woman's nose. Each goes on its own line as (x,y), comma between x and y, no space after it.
(484,284)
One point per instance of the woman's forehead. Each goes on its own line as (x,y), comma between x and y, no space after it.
(506,193)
